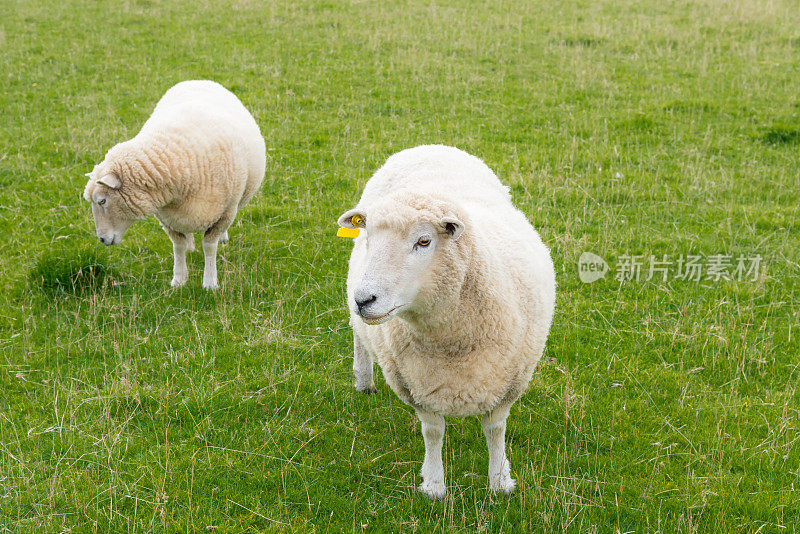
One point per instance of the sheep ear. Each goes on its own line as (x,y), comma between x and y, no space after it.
(87,190)
(452,226)
(353,219)
(110,180)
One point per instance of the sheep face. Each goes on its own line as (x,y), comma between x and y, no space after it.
(404,253)
(111,216)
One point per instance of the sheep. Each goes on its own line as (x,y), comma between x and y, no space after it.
(198,159)
(452,292)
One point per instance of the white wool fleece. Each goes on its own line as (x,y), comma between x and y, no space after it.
(452,292)
(197,160)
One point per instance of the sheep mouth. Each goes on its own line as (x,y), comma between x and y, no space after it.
(114,240)
(381,318)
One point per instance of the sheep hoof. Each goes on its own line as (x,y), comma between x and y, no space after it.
(505,484)
(211,286)
(369,389)
(178,281)
(434,489)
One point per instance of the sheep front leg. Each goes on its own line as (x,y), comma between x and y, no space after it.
(433,483)
(210,242)
(180,244)
(494,428)
(210,270)
(362,367)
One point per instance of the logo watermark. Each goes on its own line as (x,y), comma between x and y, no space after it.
(591,267)
(687,268)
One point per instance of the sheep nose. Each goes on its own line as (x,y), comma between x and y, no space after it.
(102,240)
(363,302)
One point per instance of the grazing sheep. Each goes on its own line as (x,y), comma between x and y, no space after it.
(451,291)
(197,160)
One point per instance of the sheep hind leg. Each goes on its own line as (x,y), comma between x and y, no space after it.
(224,237)
(433,483)
(181,243)
(494,428)
(210,242)
(362,367)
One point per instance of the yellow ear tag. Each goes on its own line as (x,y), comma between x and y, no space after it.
(355,220)
(347,232)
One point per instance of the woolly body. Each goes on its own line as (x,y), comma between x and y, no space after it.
(471,339)
(489,314)
(197,160)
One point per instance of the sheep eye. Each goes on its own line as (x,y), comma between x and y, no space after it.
(101,202)
(423,242)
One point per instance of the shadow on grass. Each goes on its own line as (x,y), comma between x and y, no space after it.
(69,268)
(782,135)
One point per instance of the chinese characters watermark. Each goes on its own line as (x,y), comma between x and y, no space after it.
(688,267)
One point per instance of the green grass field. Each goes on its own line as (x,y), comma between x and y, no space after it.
(653,127)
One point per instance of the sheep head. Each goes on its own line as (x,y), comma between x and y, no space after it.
(412,241)
(112,217)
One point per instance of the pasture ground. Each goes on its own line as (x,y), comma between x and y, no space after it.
(623,128)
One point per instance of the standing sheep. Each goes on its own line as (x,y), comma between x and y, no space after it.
(470,288)
(197,160)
